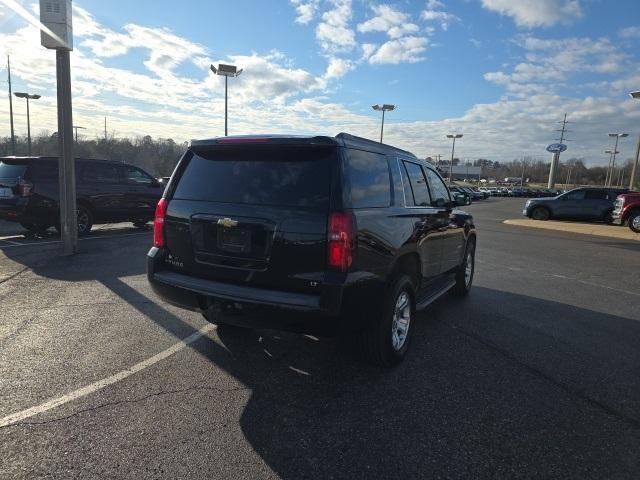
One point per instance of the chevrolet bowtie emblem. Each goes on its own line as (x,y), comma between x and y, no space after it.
(227,222)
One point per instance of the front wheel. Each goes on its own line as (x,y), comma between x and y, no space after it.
(540,213)
(634,221)
(386,341)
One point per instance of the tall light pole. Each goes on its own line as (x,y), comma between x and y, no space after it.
(75,127)
(226,71)
(634,170)
(617,136)
(28,96)
(13,135)
(385,107)
(606,179)
(453,150)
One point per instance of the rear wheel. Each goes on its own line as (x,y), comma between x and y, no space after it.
(464,276)
(540,213)
(634,221)
(34,227)
(84,219)
(386,341)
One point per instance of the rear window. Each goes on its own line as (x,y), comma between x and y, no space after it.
(12,170)
(368,178)
(299,177)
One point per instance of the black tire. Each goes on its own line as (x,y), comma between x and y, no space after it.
(464,282)
(634,221)
(34,227)
(540,213)
(84,220)
(386,340)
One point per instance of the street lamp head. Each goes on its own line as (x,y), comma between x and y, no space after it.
(619,135)
(226,70)
(457,135)
(635,94)
(384,107)
(30,96)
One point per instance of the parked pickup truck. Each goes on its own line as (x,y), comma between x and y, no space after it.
(627,211)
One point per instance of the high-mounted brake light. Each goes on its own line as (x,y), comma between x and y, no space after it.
(25,188)
(341,241)
(158,223)
(242,140)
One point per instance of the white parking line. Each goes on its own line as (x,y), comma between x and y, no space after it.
(97,237)
(100,384)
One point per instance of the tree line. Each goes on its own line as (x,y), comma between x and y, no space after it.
(572,171)
(157,156)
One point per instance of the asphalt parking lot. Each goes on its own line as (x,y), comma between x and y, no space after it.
(535,374)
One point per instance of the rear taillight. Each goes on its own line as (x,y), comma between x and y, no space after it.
(158,223)
(25,188)
(341,241)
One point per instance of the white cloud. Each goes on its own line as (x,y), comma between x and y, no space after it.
(538,13)
(630,32)
(333,31)
(435,13)
(388,20)
(306,10)
(402,50)
(549,62)
(338,67)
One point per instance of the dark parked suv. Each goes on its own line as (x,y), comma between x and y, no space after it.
(577,204)
(107,191)
(310,234)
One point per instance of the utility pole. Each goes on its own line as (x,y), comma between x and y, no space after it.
(13,135)
(612,166)
(57,34)
(556,155)
(105,129)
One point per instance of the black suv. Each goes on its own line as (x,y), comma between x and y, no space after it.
(107,191)
(310,234)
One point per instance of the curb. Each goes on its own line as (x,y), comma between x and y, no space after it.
(609,231)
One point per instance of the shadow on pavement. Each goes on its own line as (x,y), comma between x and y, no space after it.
(485,392)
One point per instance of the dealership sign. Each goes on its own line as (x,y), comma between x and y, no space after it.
(556,148)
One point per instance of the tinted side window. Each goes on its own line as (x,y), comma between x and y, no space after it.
(135,176)
(577,195)
(368,177)
(396,176)
(439,192)
(46,171)
(418,184)
(99,172)
(595,195)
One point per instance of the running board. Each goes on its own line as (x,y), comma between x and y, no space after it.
(424,302)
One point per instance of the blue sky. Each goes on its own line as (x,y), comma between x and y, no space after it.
(499,71)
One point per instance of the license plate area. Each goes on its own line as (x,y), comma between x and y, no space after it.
(234,239)
(245,245)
